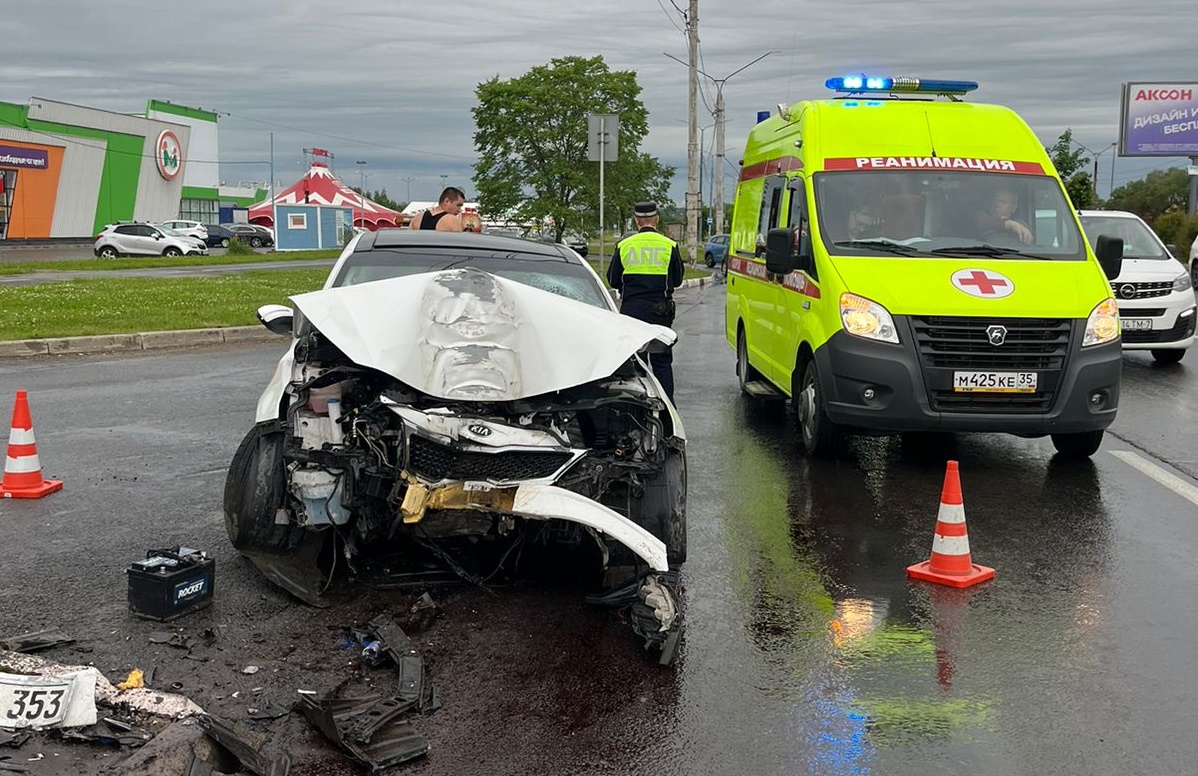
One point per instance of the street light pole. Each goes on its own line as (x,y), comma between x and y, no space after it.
(1094,175)
(718,116)
(409,180)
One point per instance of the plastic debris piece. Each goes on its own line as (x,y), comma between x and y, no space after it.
(250,670)
(135,680)
(35,640)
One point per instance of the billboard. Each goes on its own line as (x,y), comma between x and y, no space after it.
(1159,119)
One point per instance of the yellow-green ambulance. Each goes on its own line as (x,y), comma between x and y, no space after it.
(902,260)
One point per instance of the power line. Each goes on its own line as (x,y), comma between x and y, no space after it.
(352,140)
(671,18)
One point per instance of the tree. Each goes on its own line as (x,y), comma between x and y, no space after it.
(531,141)
(1159,192)
(1071,164)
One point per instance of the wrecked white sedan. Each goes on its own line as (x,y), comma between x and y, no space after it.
(463,402)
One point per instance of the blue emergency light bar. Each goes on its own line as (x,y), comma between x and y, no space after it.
(856,84)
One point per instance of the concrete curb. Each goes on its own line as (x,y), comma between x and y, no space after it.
(152,340)
(157,340)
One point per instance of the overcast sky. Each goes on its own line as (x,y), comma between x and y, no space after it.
(367,80)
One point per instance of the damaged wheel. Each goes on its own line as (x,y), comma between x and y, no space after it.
(255,490)
(662,508)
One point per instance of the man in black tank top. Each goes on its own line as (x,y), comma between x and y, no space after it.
(444,217)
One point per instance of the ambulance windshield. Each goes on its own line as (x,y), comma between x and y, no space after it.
(945,214)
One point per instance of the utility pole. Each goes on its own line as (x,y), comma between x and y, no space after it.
(718,116)
(692,89)
(409,180)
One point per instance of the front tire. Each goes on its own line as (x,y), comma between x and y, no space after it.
(1163,356)
(1080,445)
(821,437)
(172,252)
(255,242)
(255,490)
(661,510)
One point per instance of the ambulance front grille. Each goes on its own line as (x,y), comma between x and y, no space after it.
(949,344)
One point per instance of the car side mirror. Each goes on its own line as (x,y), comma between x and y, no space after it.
(1109,251)
(276,317)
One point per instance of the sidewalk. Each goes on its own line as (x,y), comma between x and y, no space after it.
(154,340)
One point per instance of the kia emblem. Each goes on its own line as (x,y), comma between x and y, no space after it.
(479,430)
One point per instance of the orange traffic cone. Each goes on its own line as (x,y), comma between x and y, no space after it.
(22,470)
(951,563)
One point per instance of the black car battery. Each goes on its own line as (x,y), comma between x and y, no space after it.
(170,583)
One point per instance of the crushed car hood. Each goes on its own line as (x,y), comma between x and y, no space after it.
(466,334)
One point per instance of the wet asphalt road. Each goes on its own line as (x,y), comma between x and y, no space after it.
(806,650)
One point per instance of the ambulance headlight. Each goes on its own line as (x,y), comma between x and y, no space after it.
(863,318)
(1182,282)
(1103,324)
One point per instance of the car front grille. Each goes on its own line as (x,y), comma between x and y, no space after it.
(947,344)
(1142,290)
(434,461)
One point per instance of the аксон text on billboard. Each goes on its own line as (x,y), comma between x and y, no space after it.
(1159,119)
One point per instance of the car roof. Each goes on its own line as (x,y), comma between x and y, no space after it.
(1109,213)
(421,238)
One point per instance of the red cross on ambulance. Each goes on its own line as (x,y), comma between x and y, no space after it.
(983,283)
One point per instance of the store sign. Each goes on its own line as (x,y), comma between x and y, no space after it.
(24,157)
(169,155)
(1159,119)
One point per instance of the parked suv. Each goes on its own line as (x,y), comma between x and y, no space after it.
(256,236)
(189,228)
(1153,290)
(135,239)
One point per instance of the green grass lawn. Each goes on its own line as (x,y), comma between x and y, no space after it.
(146,262)
(129,305)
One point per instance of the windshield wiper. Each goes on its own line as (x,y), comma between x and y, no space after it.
(877,245)
(985,250)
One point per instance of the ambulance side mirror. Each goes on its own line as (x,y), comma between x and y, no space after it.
(780,257)
(1109,251)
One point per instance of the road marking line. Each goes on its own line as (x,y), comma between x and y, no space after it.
(1168,479)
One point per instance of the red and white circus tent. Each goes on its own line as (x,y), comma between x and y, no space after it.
(320,187)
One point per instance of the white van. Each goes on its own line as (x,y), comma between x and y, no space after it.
(1154,290)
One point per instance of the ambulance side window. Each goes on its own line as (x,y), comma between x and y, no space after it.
(771,207)
(798,219)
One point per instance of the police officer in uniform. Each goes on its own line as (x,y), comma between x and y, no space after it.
(646,268)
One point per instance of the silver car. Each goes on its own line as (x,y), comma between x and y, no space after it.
(138,239)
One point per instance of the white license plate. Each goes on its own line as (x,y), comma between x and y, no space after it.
(994,382)
(1136,324)
(32,705)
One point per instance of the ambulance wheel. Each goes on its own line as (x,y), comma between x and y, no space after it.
(1165,356)
(255,490)
(1080,445)
(821,437)
(745,374)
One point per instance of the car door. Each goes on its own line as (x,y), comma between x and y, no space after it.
(126,239)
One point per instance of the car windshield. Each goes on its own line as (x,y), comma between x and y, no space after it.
(1139,241)
(949,214)
(557,276)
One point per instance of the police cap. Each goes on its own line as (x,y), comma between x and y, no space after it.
(645,209)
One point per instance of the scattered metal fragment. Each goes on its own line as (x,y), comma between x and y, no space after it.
(109,732)
(653,611)
(351,723)
(274,711)
(13,739)
(246,745)
(36,640)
